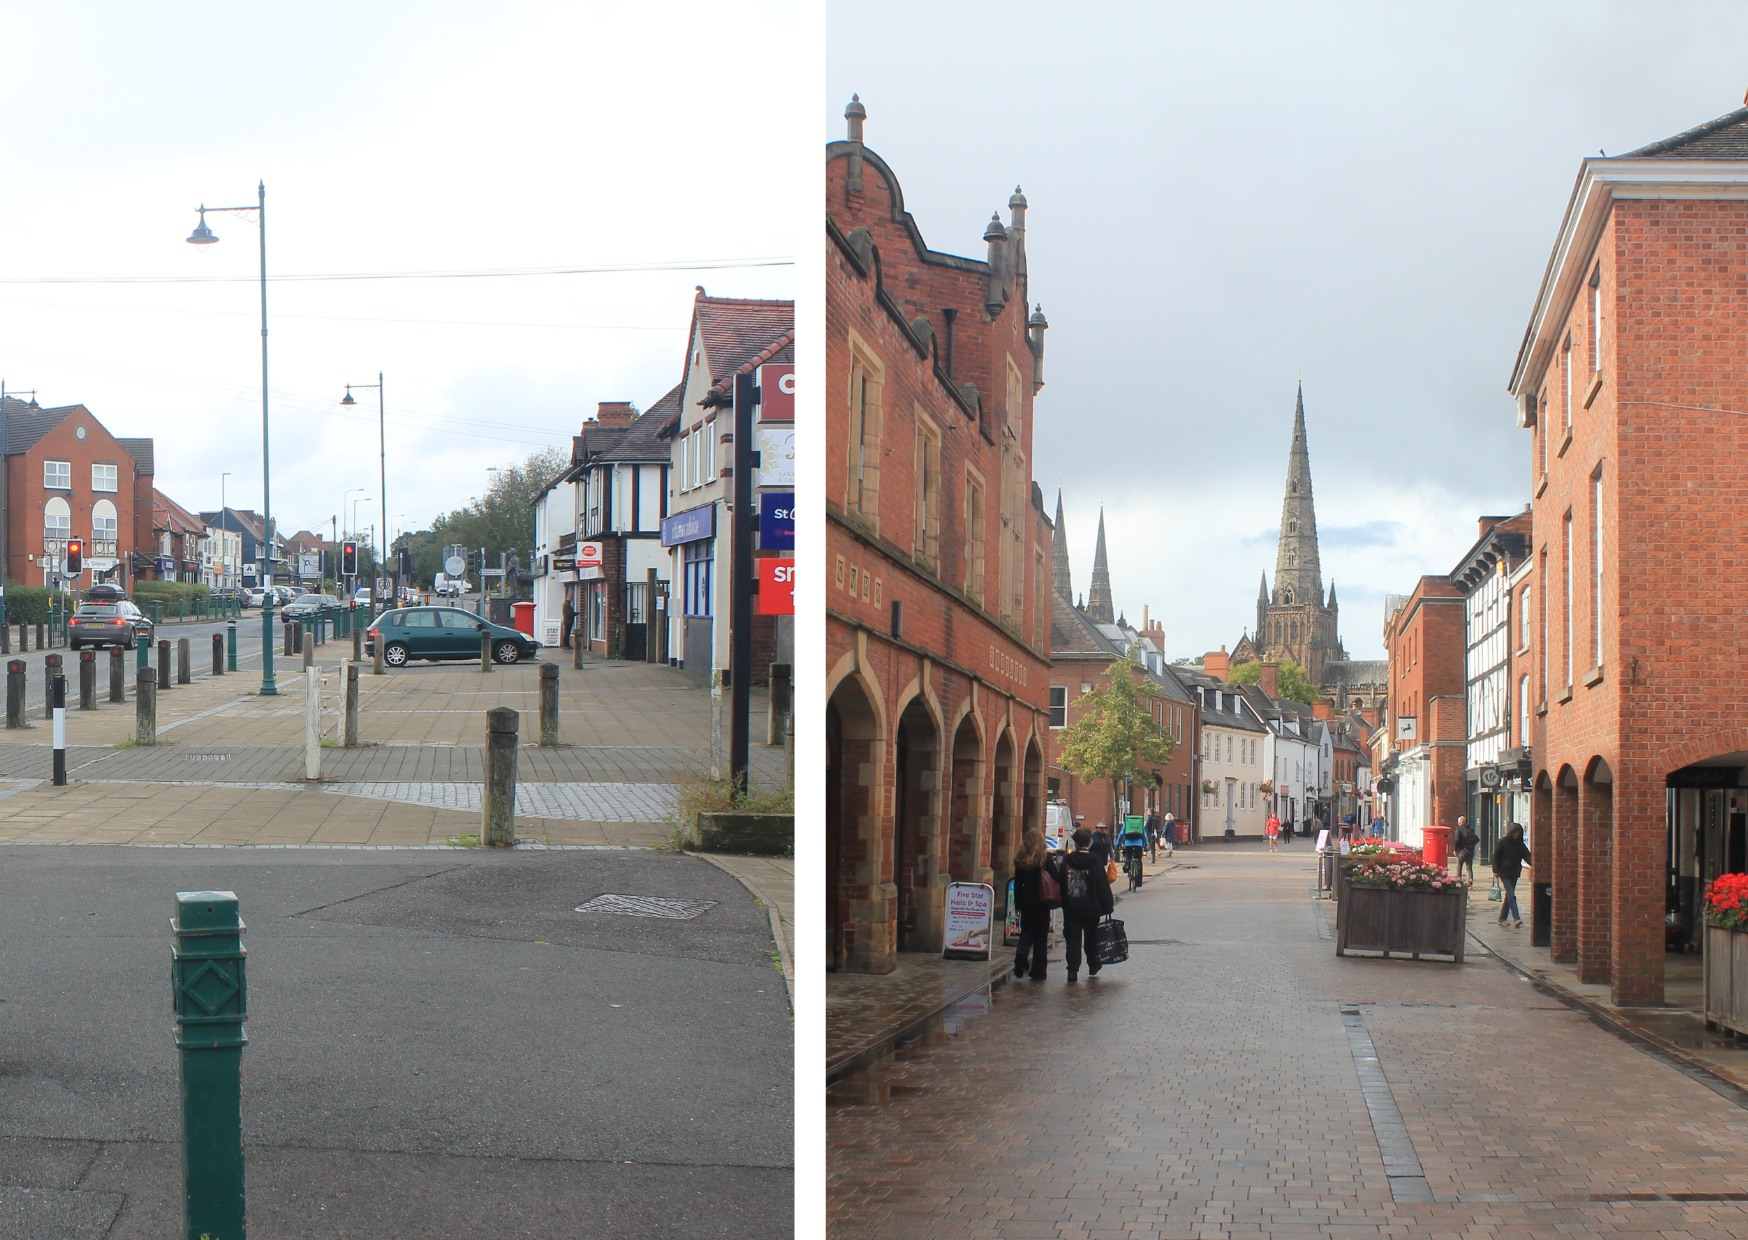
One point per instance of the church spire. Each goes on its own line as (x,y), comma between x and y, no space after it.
(1099,605)
(1298,574)
(1060,578)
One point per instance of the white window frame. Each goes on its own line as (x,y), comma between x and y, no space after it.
(98,477)
(57,475)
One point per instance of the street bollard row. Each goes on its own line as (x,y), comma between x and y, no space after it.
(498,805)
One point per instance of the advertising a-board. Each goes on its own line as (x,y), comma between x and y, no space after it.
(970,918)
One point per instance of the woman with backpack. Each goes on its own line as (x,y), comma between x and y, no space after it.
(1086,897)
(1037,890)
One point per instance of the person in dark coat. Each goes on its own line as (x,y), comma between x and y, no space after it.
(1510,855)
(1030,866)
(1464,842)
(1086,897)
(1101,844)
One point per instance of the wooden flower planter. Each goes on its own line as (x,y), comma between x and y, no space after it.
(1403,922)
(1726,979)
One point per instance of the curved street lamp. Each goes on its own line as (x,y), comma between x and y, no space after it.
(202,235)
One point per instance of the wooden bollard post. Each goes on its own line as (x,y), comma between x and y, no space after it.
(350,737)
(498,805)
(15,693)
(41,641)
(288,639)
(357,644)
(145,707)
(164,664)
(117,674)
(87,680)
(309,650)
(218,654)
(485,650)
(184,662)
(549,706)
(782,701)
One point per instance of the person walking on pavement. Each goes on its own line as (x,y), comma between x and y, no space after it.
(1153,837)
(1464,841)
(1509,858)
(1030,866)
(1101,845)
(1272,829)
(1170,830)
(1086,897)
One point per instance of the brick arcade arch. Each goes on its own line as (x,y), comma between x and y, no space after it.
(1596,873)
(858,930)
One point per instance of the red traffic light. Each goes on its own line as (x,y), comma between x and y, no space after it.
(348,559)
(75,560)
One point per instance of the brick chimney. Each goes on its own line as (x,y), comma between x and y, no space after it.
(1217,663)
(614,413)
(1321,709)
(1269,679)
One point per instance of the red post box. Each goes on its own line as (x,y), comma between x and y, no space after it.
(524,615)
(1437,848)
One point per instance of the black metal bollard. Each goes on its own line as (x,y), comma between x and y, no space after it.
(15,693)
(51,672)
(549,705)
(498,805)
(184,662)
(41,640)
(164,664)
(58,712)
(297,641)
(145,707)
(288,639)
(218,654)
(87,680)
(117,674)
(782,701)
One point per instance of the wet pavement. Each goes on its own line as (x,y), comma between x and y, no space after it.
(1235,1078)
(866,1012)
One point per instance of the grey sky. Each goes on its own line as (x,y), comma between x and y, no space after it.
(393,136)
(1225,196)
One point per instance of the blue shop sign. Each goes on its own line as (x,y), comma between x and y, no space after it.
(685,527)
(777,521)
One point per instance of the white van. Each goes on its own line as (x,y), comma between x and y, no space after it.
(1058,826)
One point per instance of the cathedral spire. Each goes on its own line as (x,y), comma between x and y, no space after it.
(1060,578)
(1298,574)
(1099,605)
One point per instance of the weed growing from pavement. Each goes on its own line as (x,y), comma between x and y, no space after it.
(133,742)
(463,841)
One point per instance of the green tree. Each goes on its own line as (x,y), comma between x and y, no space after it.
(1116,736)
(1292,682)
(501,520)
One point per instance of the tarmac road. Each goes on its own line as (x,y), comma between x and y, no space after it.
(439,1046)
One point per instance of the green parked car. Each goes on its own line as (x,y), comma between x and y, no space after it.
(443,633)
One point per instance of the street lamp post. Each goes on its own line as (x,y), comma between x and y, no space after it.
(203,235)
(362,499)
(382,474)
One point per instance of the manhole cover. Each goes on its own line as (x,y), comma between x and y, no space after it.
(646,906)
(208,757)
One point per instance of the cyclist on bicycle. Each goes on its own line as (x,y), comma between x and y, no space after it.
(1134,842)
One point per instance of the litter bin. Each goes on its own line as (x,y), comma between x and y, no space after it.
(524,617)
(1541,915)
(1436,845)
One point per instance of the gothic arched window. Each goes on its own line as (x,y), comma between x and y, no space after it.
(1277,630)
(1287,595)
(1292,559)
(1293,486)
(1292,527)
(1295,630)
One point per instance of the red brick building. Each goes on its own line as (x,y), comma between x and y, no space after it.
(66,476)
(1424,636)
(937,565)
(1631,381)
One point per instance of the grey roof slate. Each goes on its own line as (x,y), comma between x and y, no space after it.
(1355,672)
(27,423)
(141,451)
(1723,138)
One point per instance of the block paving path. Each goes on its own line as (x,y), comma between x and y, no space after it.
(1235,1078)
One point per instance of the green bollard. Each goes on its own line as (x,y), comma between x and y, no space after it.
(231,645)
(211,1002)
(144,643)
(179,616)
(157,612)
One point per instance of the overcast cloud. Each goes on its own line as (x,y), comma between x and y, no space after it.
(392,136)
(1224,197)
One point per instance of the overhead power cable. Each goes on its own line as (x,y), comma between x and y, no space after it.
(487,273)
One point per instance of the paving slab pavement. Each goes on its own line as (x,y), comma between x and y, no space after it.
(1216,1085)
(440,1045)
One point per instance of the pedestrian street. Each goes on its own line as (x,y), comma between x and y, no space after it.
(1235,1078)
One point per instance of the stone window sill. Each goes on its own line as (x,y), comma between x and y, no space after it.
(1543,484)
(1595,387)
(1593,677)
(1565,442)
(1542,707)
(1565,695)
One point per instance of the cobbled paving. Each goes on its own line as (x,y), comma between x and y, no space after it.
(585,802)
(1210,1089)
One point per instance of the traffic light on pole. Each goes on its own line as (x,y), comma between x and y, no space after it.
(75,561)
(348,559)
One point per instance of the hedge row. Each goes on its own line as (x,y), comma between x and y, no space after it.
(169,591)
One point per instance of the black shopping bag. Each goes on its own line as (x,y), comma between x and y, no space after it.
(1110,945)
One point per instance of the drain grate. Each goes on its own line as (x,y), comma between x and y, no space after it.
(647,906)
